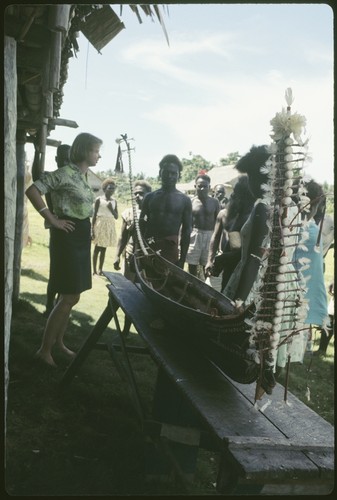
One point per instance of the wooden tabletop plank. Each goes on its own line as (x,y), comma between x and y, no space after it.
(225,407)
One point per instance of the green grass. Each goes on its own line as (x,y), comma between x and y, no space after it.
(87,440)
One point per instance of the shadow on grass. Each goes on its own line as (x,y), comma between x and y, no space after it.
(76,316)
(29,273)
(83,440)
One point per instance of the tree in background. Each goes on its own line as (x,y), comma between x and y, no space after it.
(230,159)
(192,166)
(196,163)
(123,184)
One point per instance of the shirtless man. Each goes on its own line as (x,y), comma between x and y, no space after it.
(166,215)
(126,242)
(220,194)
(204,213)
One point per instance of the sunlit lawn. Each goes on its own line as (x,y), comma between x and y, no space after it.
(35,265)
(88,441)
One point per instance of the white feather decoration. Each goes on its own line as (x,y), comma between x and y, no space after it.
(289,96)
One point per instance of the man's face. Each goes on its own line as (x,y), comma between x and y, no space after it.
(169,175)
(139,194)
(219,192)
(202,188)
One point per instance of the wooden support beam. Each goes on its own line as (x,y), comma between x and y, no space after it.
(53,142)
(26,27)
(63,122)
(50,142)
(37,36)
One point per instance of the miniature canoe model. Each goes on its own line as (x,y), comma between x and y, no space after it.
(205,317)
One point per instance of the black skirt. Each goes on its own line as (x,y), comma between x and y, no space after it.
(70,261)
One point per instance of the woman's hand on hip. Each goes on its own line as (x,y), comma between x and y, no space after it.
(65,225)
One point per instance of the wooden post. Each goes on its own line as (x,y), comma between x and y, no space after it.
(20,193)
(48,104)
(42,143)
(59,17)
(45,74)
(170,407)
(287,379)
(55,61)
(10,120)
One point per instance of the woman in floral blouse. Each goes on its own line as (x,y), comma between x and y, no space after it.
(70,239)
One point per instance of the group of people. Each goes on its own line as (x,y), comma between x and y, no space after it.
(207,231)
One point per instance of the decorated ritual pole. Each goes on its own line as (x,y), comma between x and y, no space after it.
(280,304)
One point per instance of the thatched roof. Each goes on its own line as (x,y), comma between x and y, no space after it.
(46,40)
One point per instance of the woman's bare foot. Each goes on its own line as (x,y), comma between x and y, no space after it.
(66,351)
(46,358)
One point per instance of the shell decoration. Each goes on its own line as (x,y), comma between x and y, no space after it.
(280,306)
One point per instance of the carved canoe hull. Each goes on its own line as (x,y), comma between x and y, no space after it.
(204,317)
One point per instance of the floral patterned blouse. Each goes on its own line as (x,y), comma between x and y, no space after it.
(71,194)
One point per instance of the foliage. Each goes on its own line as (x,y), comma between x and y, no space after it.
(192,166)
(123,193)
(230,159)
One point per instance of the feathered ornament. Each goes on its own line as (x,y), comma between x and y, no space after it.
(279,305)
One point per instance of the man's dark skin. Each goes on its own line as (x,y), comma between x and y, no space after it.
(166,211)
(139,193)
(204,211)
(220,194)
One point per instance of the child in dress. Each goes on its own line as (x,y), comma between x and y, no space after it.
(103,224)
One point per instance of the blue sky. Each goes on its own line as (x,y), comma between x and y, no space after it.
(213,91)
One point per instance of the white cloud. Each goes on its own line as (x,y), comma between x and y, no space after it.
(212,92)
(216,130)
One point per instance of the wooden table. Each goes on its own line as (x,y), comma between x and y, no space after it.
(195,405)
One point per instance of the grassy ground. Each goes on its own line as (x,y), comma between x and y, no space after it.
(87,440)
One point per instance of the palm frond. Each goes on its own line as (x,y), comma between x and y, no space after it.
(151,10)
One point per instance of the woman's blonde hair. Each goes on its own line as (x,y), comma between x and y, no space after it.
(82,146)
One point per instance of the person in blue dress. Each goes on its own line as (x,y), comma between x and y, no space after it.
(314,272)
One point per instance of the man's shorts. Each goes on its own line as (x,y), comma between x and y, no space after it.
(199,246)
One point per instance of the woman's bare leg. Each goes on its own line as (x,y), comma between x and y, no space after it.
(55,329)
(94,259)
(101,260)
